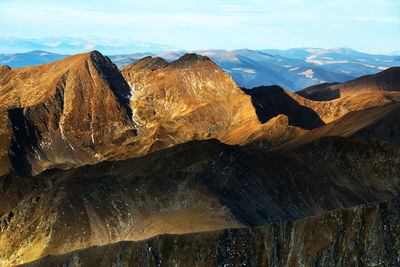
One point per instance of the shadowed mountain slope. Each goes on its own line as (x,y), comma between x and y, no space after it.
(197,186)
(271,101)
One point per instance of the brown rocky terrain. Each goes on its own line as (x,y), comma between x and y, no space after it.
(80,110)
(365,235)
(53,114)
(177,148)
(382,122)
(188,99)
(309,114)
(218,186)
(387,80)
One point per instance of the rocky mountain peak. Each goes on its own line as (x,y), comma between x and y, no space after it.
(190,59)
(4,67)
(149,63)
(69,108)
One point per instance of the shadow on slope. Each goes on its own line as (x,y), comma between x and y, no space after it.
(270,101)
(24,137)
(320,92)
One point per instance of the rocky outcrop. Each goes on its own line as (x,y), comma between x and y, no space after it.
(366,235)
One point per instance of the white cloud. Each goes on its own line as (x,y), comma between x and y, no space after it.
(75,43)
(90,46)
(117,45)
(53,44)
(226,24)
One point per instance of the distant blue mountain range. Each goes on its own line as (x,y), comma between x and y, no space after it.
(71,45)
(292,69)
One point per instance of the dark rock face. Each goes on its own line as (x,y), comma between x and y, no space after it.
(110,73)
(23,140)
(366,235)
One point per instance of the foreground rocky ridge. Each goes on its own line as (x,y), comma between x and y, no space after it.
(216,187)
(365,235)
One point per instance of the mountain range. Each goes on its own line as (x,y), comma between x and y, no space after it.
(292,69)
(170,162)
(71,45)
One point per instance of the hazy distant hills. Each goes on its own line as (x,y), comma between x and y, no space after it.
(292,69)
(73,45)
(35,57)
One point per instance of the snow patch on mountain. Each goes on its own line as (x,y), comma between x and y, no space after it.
(311,59)
(308,73)
(245,70)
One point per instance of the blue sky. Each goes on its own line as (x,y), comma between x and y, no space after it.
(367,25)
